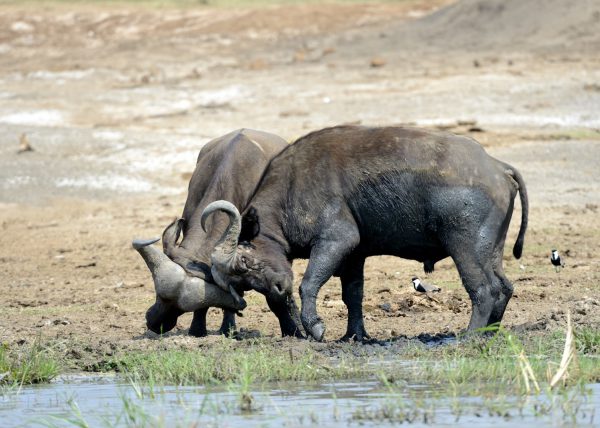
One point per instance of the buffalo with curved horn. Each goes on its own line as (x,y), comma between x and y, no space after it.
(228,167)
(342,194)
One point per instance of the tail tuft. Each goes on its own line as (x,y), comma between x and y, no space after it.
(518,248)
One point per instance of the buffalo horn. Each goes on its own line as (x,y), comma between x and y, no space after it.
(226,248)
(165,273)
(172,282)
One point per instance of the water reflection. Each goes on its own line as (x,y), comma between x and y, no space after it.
(106,401)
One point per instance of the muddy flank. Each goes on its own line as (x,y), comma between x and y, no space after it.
(104,109)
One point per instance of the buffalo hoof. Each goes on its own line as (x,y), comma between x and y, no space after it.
(197,332)
(228,325)
(361,337)
(317,330)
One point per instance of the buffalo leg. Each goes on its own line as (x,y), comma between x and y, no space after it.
(228,323)
(474,265)
(198,327)
(503,285)
(281,309)
(352,278)
(325,258)
(480,290)
(477,252)
(506,291)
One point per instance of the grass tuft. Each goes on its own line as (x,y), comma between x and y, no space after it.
(27,365)
(258,362)
(588,341)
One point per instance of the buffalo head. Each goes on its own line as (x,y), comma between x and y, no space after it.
(259,265)
(177,291)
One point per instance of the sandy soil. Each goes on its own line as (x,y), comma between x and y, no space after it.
(117,101)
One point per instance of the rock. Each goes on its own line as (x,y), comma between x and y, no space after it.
(466,122)
(24,145)
(377,62)
(386,307)
(257,64)
(293,112)
(111,306)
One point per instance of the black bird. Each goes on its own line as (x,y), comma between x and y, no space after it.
(423,287)
(556,261)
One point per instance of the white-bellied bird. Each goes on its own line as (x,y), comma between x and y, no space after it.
(423,287)
(556,261)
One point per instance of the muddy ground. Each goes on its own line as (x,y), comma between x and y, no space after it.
(117,100)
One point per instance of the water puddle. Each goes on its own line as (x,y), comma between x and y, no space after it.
(107,401)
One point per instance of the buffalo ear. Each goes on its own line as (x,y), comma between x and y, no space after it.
(171,235)
(250,225)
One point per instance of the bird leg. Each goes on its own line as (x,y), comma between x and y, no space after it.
(430,297)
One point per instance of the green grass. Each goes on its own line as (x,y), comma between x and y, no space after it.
(491,360)
(492,371)
(256,361)
(475,361)
(27,365)
(588,341)
(493,363)
(475,366)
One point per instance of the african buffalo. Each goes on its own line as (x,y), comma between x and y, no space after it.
(342,194)
(229,168)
